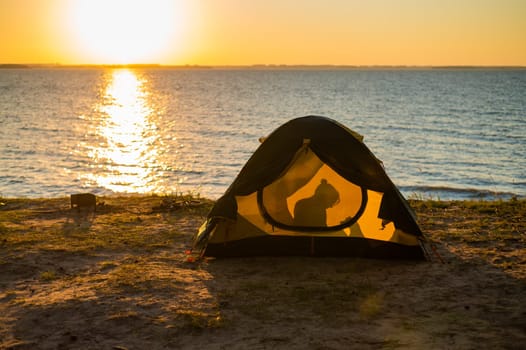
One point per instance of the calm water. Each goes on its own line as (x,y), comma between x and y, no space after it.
(448,134)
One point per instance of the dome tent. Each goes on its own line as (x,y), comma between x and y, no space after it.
(311,188)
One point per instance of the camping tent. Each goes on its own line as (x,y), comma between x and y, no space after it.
(311,188)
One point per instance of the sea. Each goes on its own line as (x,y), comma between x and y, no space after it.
(445,134)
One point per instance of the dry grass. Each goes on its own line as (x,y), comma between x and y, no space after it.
(492,231)
(118,278)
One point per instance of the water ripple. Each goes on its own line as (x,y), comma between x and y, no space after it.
(456,134)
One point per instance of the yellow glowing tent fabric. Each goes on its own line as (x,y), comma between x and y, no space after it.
(311,188)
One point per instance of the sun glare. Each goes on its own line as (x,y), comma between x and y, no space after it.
(126,31)
(126,151)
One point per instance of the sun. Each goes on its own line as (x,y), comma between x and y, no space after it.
(126,31)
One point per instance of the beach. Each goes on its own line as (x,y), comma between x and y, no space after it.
(150,149)
(119,278)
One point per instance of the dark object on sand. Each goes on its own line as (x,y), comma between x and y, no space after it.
(83,200)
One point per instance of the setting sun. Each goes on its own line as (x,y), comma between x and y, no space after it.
(272,32)
(140,31)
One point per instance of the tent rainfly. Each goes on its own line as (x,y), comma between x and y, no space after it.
(311,188)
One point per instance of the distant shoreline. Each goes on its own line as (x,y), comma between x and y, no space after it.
(14,66)
(258,67)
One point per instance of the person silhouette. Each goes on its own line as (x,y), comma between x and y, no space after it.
(312,211)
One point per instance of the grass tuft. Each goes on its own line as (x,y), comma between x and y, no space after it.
(48,276)
(371,305)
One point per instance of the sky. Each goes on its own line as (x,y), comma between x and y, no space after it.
(247,32)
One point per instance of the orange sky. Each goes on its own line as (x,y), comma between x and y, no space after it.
(245,32)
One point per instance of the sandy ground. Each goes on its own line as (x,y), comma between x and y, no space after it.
(119,279)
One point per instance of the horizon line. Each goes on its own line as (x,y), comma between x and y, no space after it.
(254,66)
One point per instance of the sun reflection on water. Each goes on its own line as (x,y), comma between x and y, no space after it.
(126,157)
